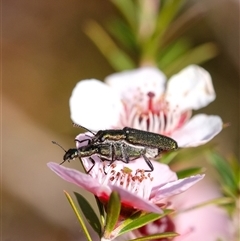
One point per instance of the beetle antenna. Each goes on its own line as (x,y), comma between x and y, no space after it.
(54,142)
(79,126)
(62,162)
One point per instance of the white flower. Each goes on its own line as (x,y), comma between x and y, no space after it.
(143,100)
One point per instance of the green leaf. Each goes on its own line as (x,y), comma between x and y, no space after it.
(168,12)
(148,12)
(101,210)
(182,23)
(188,154)
(235,167)
(168,157)
(224,170)
(197,55)
(138,220)
(168,54)
(89,213)
(227,191)
(190,171)
(75,209)
(118,59)
(157,236)
(128,9)
(113,211)
(216,201)
(128,39)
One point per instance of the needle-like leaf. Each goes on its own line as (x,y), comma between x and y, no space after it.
(89,213)
(75,209)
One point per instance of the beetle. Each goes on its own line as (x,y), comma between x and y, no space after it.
(120,150)
(133,137)
(124,144)
(136,137)
(129,143)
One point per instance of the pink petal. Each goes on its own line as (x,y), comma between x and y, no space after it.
(80,179)
(191,88)
(134,86)
(199,130)
(135,201)
(208,223)
(94,105)
(175,187)
(92,185)
(162,174)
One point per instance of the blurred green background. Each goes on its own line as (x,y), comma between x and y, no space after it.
(44,54)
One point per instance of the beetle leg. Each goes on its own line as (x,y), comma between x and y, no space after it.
(149,164)
(88,141)
(105,159)
(125,157)
(93,164)
(112,151)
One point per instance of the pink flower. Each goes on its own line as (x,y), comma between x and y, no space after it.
(208,223)
(143,100)
(138,189)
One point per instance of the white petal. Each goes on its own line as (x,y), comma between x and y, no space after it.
(191,88)
(176,187)
(199,130)
(135,85)
(94,105)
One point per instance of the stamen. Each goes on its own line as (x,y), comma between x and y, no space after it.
(150,121)
(161,118)
(169,119)
(138,182)
(162,122)
(131,116)
(156,126)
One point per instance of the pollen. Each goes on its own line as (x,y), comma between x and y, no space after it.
(135,181)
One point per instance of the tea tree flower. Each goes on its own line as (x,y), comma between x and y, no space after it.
(138,189)
(142,99)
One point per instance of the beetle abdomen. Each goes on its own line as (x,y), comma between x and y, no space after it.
(149,139)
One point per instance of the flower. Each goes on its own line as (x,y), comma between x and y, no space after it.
(138,189)
(142,99)
(208,223)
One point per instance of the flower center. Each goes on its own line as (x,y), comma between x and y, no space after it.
(157,116)
(134,180)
